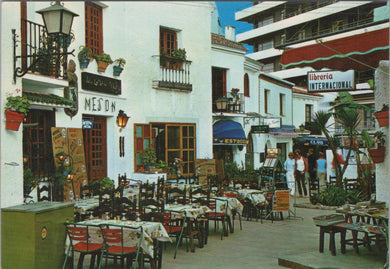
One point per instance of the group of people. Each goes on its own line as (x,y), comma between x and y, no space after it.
(298,168)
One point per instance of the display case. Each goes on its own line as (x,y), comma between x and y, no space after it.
(272,173)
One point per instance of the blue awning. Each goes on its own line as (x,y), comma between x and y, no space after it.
(228,132)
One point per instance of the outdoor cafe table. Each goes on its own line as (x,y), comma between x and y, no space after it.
(84,205)
(152,230)
(191,212)
(233,206)
(255,196)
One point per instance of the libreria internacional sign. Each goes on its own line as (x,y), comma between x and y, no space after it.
(330,81)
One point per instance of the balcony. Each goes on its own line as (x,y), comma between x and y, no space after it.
(174,74)
(39,53)
(234,106)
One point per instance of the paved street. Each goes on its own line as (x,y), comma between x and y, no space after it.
(261,245)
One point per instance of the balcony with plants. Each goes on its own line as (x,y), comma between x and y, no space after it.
(40,53)
(174,71)
(233,103)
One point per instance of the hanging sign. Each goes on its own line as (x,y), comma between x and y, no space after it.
(96,83)
(330,81)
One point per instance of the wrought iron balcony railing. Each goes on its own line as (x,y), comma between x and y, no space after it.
(174,75)
(40,53)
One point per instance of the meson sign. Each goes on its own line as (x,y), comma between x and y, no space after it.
(330,81)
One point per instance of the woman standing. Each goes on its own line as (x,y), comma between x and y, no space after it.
(301,166)
(289,168)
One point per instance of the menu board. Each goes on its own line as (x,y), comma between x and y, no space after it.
(282,201)
(204,167)
(70,141)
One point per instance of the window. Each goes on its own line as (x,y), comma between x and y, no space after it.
(282,104)
(37,144)
(266,45)
(170,141)
(168,41)
(246,85)
(94,28)
(218,76)
(266,101)
(301,35)
(268,68)
(369,121)
(308,112)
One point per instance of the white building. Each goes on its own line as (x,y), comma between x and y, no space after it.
(169,106)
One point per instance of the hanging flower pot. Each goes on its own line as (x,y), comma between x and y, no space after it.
(117,70)
(13,120)
(102,66)
(382,117)
(84,62)
(377,155)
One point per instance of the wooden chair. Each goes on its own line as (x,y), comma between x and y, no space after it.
(216,216)
(175,227)
(125,208)
(175,194)
(146,191)
(85,191)
(149,205)
(160,188)
(80,241)
(122,180)
(106,204)
(43,191)
(122,241)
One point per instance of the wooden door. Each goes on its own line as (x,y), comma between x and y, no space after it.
(95,141)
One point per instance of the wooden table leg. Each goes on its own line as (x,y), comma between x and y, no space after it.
(191,235)
(332,245)
(342,235)
(321,246)
(355,241)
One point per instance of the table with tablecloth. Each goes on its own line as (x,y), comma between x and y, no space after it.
(151,230)
(255,196)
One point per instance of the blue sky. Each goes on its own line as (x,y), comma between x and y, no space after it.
(226,11)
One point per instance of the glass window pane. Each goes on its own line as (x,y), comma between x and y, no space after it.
(191,131)
(146,143)
(185,131)
(185,156)
(191,155)
(185,143)
(138,158)
(173,137)
(172,155)
(138,131)
(191,143)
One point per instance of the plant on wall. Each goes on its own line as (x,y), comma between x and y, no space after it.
(16,109)
(103,61)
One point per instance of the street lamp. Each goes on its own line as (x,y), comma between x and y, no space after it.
(221,103)
(121,119)
(57,19)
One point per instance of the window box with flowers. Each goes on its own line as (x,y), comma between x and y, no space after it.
(16,109)
(118,68)
(84,56)
(174,60)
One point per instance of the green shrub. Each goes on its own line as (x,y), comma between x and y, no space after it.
(354,197)
(332,196)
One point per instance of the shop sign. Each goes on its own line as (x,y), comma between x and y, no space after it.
(230,141)
(330,81)
(260,129)
(99,104)
(272,122)
(43,232)
(96,83)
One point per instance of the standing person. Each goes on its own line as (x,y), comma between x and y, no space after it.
(321,171)
(311,160)
(300,169)
(289,168)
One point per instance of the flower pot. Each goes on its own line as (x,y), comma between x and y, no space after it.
(102,66)
(84,61)
(382,117)
(117,70)
(13,120)
(377,155)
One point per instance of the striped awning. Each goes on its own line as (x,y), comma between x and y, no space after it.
(359,52)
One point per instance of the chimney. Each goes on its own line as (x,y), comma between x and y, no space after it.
(230,33)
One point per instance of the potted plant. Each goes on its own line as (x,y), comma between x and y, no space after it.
(148,157)
(84,56)
(378,154)
(103,60)
(16,110)
(119,67)
(382,116)
(173,60)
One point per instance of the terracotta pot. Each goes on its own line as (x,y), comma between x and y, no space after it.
(382,117)
(102,66)
(377,155)
(13,120)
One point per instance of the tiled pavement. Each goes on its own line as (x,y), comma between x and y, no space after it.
(261,245)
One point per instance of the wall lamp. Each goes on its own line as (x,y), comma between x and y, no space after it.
(121,119)
(222,103)
(58,22)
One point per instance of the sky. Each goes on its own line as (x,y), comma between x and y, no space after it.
(226,11)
